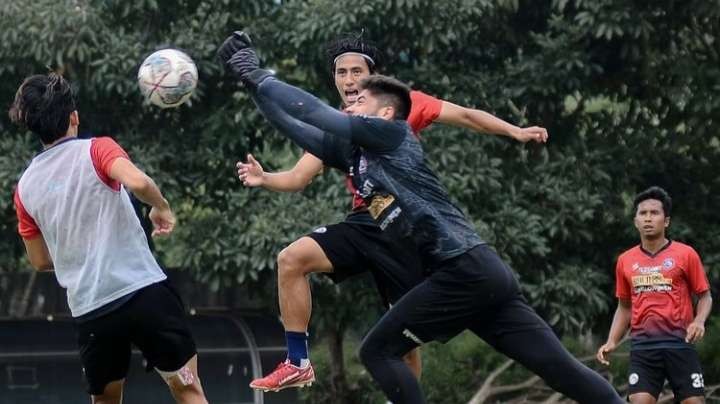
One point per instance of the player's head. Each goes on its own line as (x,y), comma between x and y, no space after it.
(351,58)
(652,212)
(45,104)
(382,96)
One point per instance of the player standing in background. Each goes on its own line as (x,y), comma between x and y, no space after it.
(655,285)
(76,218)
(355,245)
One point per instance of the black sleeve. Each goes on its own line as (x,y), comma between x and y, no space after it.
(371,133)
(333,151)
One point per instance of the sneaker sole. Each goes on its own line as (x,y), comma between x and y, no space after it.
(288,386)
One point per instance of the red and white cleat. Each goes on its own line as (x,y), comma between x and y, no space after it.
(284,376)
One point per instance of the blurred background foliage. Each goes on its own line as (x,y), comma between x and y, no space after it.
(629,91)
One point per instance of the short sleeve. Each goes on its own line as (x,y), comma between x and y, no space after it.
(697,279)
(424,111)
(104,151)
(622,289)
(27,228)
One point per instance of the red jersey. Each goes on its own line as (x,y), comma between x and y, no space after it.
(424,111)
(660,288)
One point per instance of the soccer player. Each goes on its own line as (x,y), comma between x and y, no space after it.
(467,285)
(76,218)
(656,282)
(355,245)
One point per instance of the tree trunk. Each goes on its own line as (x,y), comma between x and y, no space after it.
(339,391)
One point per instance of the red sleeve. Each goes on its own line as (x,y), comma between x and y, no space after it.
(622,289)
(697,279)
(424,111)
(104,151)
(27,227)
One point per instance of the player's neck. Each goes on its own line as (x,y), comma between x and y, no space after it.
(62,139)
(654,245)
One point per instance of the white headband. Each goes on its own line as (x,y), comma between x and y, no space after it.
(368,58)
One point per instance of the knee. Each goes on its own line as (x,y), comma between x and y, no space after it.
(291,262)
(368,352)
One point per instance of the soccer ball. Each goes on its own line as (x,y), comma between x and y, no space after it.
(167,78)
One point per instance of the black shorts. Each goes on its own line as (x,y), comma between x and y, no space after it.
(354,248)
(680,366)
(475,291)
(153,320)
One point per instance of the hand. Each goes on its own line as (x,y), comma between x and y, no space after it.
(534,133)
(238,40)
(605,349)
(237,55)
(163,221)
(695,332)
(251,173)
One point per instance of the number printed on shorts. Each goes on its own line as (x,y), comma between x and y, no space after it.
(697,380)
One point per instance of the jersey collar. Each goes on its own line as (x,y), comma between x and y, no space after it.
(651,255)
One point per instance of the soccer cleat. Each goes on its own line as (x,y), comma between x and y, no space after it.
(284,376)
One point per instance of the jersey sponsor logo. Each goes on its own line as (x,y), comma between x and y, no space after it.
(379,203)
(654,282)
(412,336)
(362,165)
(366,189)
(633,379)
(390,218)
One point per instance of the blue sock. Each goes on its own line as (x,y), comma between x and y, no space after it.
(297,346)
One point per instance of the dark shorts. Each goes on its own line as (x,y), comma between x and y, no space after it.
(153,320)
(475,291)
(681,367)
(354,248)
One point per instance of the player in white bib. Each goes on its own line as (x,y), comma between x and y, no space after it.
(76,218)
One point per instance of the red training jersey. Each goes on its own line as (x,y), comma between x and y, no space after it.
(660,287)
(424,110)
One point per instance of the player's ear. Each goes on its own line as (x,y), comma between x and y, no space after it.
(667,221)
(387,112)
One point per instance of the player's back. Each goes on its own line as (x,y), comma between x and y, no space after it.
(98,247)
(426,213)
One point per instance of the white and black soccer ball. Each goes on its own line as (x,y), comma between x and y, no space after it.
(167,78)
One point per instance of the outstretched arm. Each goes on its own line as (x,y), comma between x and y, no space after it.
(371,133)
(296,179)
(481,121)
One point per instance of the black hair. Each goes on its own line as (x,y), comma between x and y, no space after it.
(656,193)
(353,43)
(43,104)
(391,91)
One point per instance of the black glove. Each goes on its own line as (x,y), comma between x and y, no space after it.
(238,40)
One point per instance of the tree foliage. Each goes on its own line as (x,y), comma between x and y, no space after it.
(628,91)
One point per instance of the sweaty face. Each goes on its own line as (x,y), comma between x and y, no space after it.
(650,219)
(349,70)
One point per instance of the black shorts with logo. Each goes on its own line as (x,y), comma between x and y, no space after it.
(153,320)
(680,366)
(354,248)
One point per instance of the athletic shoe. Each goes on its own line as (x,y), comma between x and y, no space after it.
(284,376)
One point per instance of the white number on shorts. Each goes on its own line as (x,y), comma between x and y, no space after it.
(697,380)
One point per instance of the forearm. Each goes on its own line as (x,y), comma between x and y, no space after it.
(474,119)
(284,181)
(305,136)
(148,192)
(620,324)
(704,306)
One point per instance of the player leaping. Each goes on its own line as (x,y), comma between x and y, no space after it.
(468,286)
(355,245)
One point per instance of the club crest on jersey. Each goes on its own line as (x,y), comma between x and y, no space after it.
(668,263)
